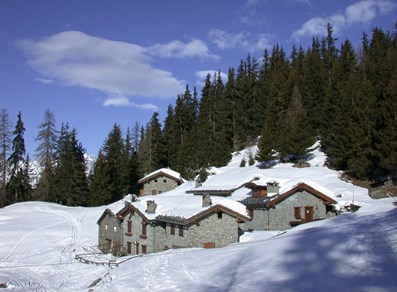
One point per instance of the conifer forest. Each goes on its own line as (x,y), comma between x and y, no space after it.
(343,96)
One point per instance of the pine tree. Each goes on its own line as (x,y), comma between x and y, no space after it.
(99,182)
(338,107)
(359,129)
(149,153)
(381,68)
(70,184)
(205,125)
(296,136)
(314,88)
(5,147)
(277,103)
(47,138)
(17,188)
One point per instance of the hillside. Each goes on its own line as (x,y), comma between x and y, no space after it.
(353,251)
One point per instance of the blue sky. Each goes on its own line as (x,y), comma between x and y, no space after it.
(95,62)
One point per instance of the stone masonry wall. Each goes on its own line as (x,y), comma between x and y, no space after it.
(221,231)
(109,234)
(160,184)
(279,217)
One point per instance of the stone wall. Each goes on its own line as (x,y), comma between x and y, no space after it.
(280,216)
(159,185)
(110,234)
(218,229)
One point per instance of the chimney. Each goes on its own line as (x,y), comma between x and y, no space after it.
(206,201)
(273,187)
(151,207)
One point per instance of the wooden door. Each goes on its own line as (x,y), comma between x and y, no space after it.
(309,213)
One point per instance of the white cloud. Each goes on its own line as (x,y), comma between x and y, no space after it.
(177,49)
(360,12)
(117,100)
(242,40)
(45,81)
(121,100)
(115,68)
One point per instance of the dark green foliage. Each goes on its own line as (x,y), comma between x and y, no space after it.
(18,187)
(149,152)
(70,186)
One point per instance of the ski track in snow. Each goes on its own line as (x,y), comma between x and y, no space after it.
(17,244)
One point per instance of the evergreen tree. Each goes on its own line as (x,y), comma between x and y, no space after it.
(112,150)
(338,107)
(47,138)
(149,153)
(99,182)
(314,88)
(296,136)
(5,147)
(381,68)
(276,105)
(359,130)
(169,146)
(205,124)
(17,187)
(70,184)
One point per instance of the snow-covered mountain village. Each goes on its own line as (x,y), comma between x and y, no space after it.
(59,248)
(198,145)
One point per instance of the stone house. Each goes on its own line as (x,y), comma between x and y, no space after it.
(110,233)
(161,222)
(294,204)
(159,181)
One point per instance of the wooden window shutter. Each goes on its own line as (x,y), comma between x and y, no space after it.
(297,213)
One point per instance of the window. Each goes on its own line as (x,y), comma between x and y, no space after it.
(129,247)
(164,180)
(180,231)
(143,228)
(297,213)
(155,180)
(129,228)
(220,215)
(137,248)
(172,229)
(209,244)
(144,248)
(106,226)
(114,228)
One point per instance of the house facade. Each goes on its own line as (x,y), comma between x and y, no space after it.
(159,181)
(299,204)
(200,224)
(110,233)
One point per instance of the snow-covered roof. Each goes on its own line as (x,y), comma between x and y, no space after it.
(286,187)
(178,203)
(162,171)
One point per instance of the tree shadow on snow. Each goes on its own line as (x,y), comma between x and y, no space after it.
(359,256)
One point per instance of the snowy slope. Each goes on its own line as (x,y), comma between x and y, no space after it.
(351,252)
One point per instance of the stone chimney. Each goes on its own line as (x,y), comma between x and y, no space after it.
(151,207)
(206,201)
(273,187)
